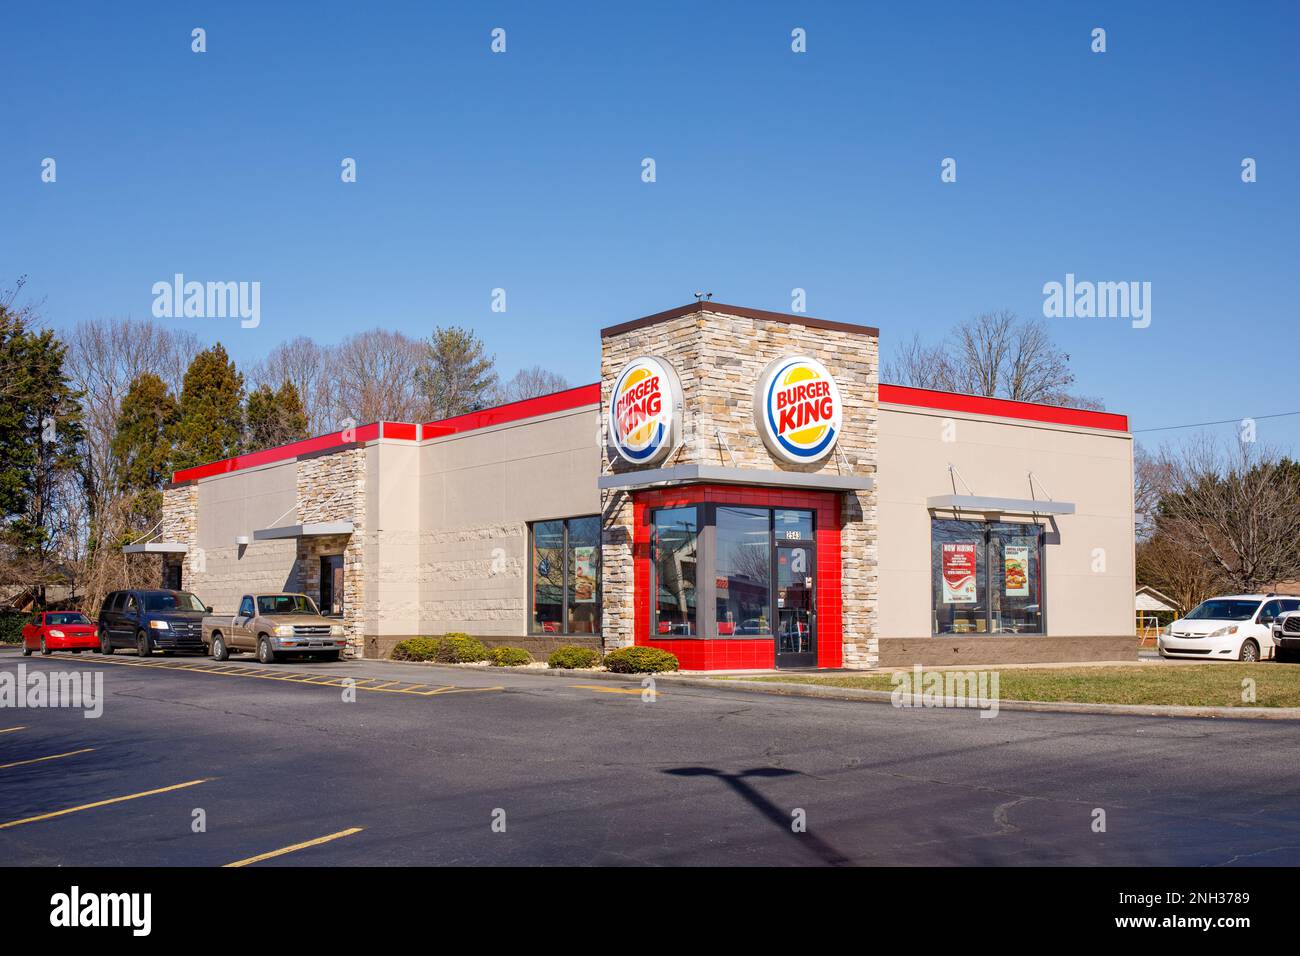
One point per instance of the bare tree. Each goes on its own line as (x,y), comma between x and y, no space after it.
(305,364)
(374,375)
(530,383)
(994,354)
(1237,508)
(104,357)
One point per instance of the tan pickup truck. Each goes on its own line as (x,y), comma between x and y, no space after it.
(275,626)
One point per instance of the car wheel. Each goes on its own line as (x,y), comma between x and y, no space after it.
(45,650)
(219,650)
(27,651)
(1282,656)
(1249,652)
(105,645)
(264,652)
(143,646)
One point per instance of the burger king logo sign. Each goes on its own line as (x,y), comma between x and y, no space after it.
(798,409)
(645,411)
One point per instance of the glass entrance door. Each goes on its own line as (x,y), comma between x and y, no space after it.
(796,607)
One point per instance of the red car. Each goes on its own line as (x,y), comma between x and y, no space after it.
(59,631)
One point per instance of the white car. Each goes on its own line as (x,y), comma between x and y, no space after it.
(1236,627)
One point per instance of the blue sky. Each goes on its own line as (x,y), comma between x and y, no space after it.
(775,170)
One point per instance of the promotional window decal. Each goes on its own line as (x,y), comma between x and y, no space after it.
(645,411)
(958,574)
(584,574)
(1016,563)
(798,409)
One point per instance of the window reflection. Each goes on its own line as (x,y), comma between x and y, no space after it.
(743,574)
(676,548)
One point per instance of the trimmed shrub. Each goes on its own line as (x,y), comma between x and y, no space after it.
(11,626)
(640,660)
(462,649)
(571,657)
(417,649)
(510,657)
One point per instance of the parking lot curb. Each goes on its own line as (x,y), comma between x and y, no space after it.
(824,692)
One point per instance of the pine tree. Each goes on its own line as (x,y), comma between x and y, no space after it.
(457,374)
(142,450)
(211,422)
(39,430)
(274,417)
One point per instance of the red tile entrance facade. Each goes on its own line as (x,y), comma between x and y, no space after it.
(710,652)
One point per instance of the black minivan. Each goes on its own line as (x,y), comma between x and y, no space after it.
(150,620)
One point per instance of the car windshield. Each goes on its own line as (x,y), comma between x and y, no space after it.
(69,617)
(1222,609)
(285,604)
(171,601)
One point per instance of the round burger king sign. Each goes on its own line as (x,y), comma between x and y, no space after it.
(645,411)
(798,409)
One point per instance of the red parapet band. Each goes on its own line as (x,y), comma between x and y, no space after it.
(307,446)
(1002,408)
(515,411)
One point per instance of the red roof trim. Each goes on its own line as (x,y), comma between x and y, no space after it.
(514,411)
(585,395)
(297,449)
(1002,408)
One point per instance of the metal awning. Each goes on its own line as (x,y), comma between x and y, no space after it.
(718,474)
(993,505)
(309,530)
(156,547)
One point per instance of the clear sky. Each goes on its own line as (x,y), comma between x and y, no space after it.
(775,170)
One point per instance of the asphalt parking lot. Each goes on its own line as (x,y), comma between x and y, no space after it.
(294,765)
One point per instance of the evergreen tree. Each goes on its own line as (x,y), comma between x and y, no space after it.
(456,375)
(39,430)
(211,422)
(142,448)
(274,417)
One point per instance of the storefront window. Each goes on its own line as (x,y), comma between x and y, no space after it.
(725,570)
(986,577)
(548,577)
(565,576)
(743,570)
(676,556)
(584,575)
(1015,559)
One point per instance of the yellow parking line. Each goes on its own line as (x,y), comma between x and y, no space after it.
(608,690)
(10,730)
(70,753)
(460,690)
(104,803)
(315,680)
(297,846)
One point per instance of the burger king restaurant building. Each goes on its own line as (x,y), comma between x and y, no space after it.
(738,489)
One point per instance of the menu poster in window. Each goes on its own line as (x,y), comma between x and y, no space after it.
(958,574)
(1015,560)
(584,574)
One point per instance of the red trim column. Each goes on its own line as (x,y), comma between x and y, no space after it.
(737,653)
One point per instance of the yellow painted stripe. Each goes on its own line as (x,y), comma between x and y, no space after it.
(608,690)
(10,730)
(104,803)
(297,846)
(70,753)
(315,680)
(461,690)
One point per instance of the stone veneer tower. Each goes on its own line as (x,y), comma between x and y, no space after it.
(719,352)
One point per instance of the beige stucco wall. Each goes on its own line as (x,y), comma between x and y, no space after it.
(477,493)
(234,505)
(1089,568)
